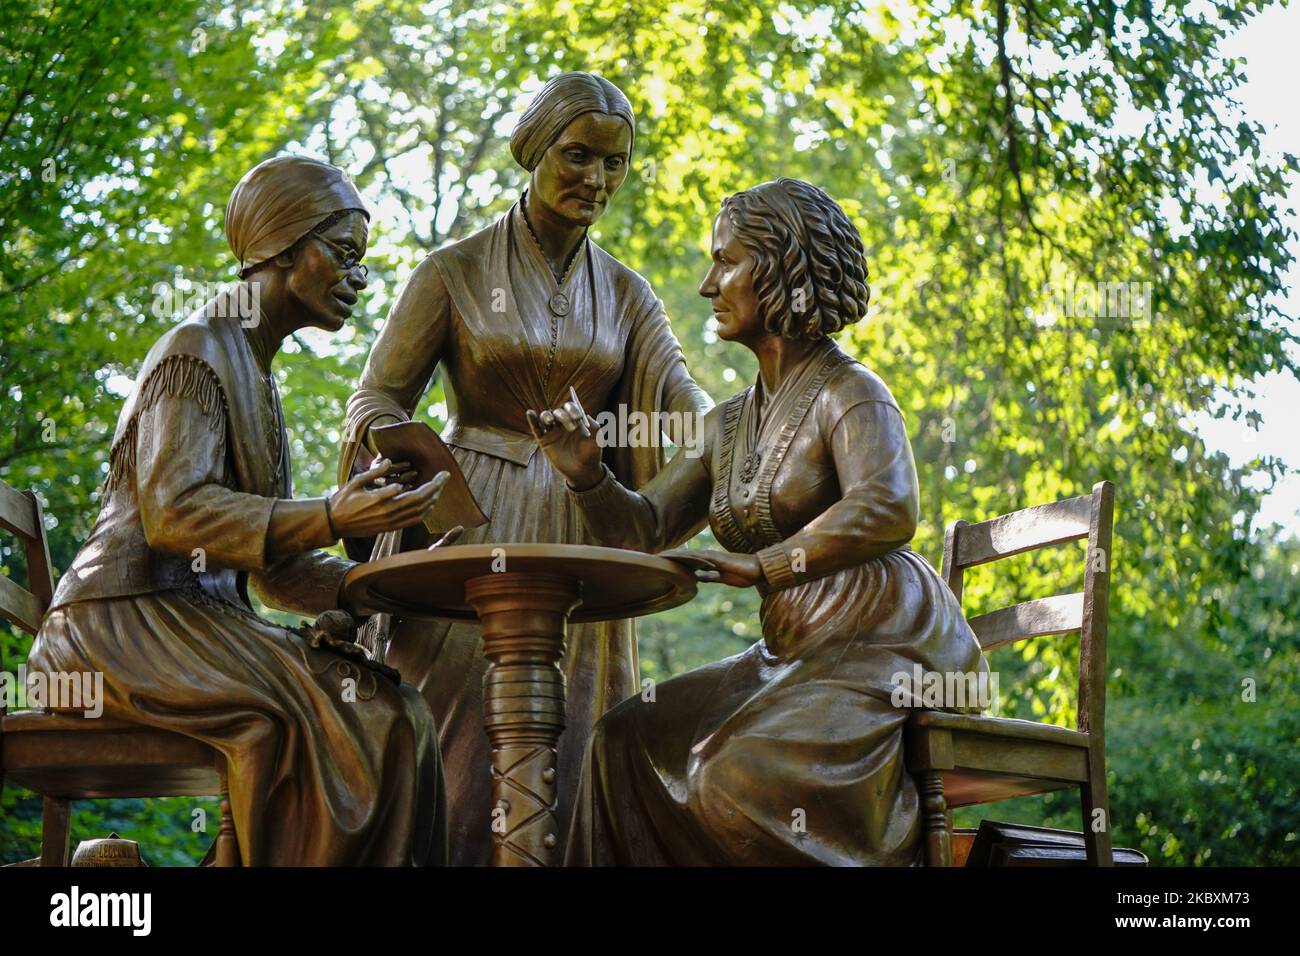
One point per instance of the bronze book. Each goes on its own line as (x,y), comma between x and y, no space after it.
(428,454)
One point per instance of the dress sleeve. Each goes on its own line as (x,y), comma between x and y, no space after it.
(180,471)
(402,360)
(683,398)
(306,583)
(668,510)
(877,512)
(187,508)
(655,380)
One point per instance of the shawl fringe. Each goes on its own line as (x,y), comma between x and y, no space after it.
(175,376)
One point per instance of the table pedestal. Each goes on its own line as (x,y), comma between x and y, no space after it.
(524,617)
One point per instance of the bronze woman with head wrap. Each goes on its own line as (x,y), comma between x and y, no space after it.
(515,316)
(791,752)
(330,761)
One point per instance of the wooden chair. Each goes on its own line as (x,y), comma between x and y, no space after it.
(72,757)
(961,760)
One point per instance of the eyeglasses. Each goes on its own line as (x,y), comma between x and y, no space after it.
(348,259)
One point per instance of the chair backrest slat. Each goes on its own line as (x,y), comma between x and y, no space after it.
(1021,531)
(16,515)
(20,513)
(1042,526)
(1059,614)
(21,608)
(1096,613)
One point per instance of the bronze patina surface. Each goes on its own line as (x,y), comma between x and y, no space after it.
(330,762)
(525,597)
(515,316)
(792,751)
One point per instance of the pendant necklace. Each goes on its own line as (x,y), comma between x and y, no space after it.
(749,466)
(558,303)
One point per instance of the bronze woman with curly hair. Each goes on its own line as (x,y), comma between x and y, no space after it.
(792,751)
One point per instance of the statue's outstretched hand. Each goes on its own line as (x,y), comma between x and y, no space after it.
(381,499)
(567,436)
(737,570)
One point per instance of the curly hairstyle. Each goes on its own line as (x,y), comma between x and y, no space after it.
(810,272)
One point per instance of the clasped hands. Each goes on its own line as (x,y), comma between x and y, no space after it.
(567,436)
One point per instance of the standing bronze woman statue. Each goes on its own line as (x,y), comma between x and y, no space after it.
(791,752)
(330,761)
(516,315)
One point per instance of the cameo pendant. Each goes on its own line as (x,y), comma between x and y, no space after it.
(753,431)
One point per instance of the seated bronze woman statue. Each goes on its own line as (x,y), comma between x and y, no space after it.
(792,751)
(330,760)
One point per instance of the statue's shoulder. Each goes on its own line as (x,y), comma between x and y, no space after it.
(471,249)
(627,281)
(213,333)
(202,334)
(432,270)
(852,383)
(465,257)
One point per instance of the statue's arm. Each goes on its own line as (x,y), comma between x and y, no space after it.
(180,454)
(668,510)
(306,583)
(683,395)
(401,362)
(297,576)
(877,511)
(187,509)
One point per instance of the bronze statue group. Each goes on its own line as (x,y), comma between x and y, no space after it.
(789,753)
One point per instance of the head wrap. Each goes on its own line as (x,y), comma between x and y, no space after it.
(280,200)
(562,100)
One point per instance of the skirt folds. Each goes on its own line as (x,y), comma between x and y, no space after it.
(329,763)
(790,753)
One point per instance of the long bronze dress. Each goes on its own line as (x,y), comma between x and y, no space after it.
(790,752)
(329,764)
(482,308)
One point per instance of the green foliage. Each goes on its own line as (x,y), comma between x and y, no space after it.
(165,827)
(1203,736)
(997,158)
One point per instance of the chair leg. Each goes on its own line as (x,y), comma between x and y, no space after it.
(227,846)
(56,826)
(934,810)
(1093,798)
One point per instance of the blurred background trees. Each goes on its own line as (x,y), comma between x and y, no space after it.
(1001,160)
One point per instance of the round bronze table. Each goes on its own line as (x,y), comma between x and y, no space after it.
(523,595)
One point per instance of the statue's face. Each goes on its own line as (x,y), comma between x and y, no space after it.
(730,285)
(584,167)
(317,280)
